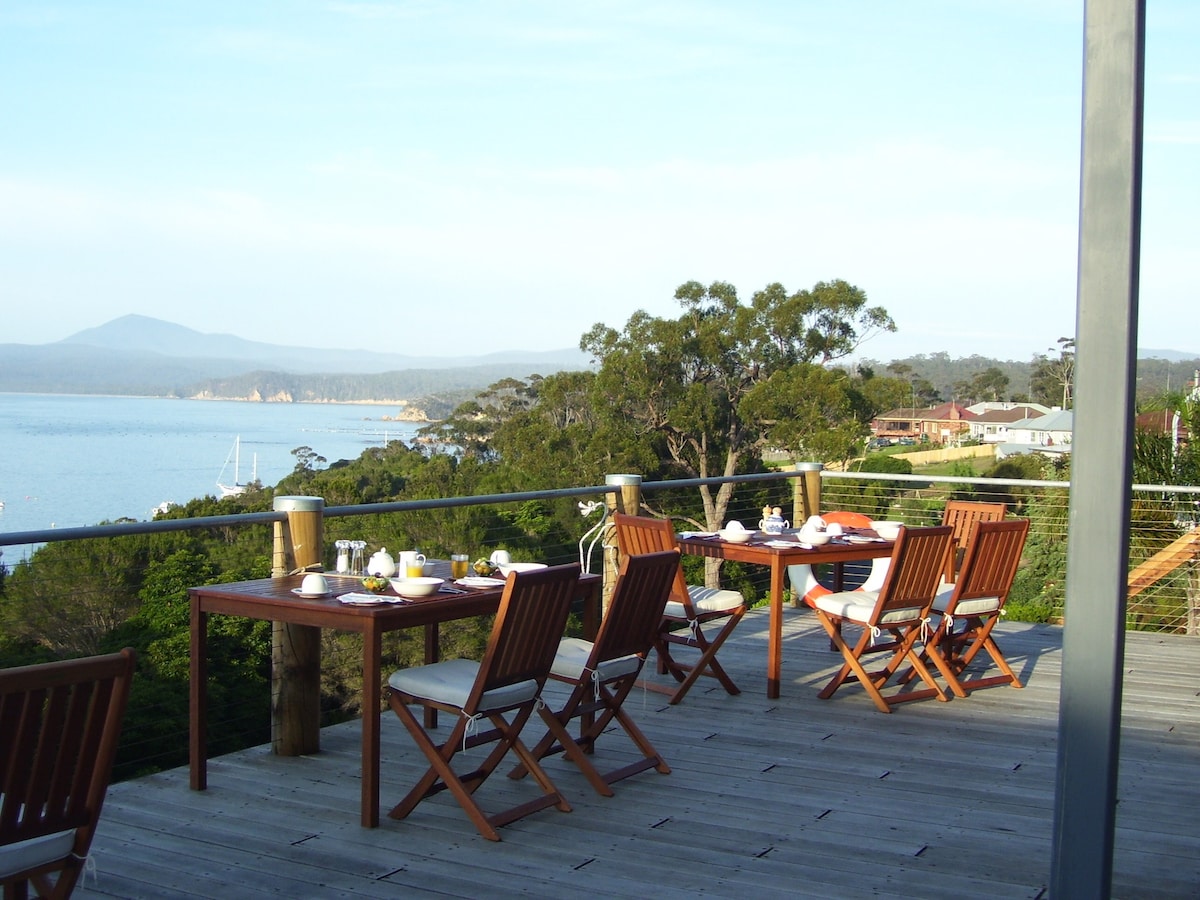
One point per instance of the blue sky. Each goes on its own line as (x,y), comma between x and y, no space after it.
(427,176)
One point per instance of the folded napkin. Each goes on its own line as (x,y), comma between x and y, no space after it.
(698,534)
(357,598)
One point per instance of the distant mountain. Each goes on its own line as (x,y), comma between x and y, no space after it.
(144,334)
(1168,355)
(139,355)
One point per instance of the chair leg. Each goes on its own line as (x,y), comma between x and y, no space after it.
(441,776)
(873,682)
(852,665)
(439,771)
(558,739)
(980,636)
(707,663)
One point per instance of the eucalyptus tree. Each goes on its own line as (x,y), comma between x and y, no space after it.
(1053,380)
(722,381)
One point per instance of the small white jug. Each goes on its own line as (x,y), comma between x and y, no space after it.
(413,558)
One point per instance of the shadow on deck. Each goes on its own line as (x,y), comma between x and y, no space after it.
(793,797)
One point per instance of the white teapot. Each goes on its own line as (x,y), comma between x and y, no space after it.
(382,564)
(773,521)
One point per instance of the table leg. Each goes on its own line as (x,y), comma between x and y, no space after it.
(433,652)
(198,700)
(775,635)
(372,650)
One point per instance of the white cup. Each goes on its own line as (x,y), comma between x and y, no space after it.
(314,583)
(409,559)
(500,558)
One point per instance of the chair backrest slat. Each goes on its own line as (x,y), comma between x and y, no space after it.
(635,611)
(641,535)
(916,568)
(59,725)
(961,515)
(529,624)
(993,555)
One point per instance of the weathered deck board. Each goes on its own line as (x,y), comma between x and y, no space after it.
(788,797)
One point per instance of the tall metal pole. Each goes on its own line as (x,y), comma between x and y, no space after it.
(1101,470)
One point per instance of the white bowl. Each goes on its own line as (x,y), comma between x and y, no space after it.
(817,538)
(735,535)
(519,567)
(416,587)
(889,531)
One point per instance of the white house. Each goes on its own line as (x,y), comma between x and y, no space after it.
(1048,434)
(993,422)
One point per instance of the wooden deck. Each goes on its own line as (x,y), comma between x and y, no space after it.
(795,797)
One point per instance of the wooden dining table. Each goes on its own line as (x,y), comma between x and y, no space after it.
(778,551)
(276,600)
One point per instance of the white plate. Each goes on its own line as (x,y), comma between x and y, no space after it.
(300,593)
(473,581)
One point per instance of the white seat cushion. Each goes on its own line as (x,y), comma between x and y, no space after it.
(450,682)
(35,852)
(857,606)
(979,606)
(573,655)
(705,600)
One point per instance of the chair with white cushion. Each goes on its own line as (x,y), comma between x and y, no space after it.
(502,690)
(59,726)
(689,609)
(971,607)
(892,619)
(601,673)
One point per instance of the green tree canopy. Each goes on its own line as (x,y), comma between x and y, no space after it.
(703,382)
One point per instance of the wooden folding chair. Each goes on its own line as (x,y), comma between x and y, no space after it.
(59,725)
(901,608)
(961,515)
(689,608)
(503,689)
(972,607)
(602,673)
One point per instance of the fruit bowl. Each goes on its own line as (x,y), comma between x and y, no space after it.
(376,584)
(416,587)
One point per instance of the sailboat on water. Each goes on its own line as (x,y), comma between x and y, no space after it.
(238,487)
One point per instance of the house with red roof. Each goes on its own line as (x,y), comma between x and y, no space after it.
(942,424)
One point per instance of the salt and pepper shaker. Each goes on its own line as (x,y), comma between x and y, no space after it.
(358,560)
(343,557)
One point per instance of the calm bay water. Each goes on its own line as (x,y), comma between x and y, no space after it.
(67,461)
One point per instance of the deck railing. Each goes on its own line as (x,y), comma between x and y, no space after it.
(93,578)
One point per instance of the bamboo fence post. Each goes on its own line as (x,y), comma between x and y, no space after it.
(296,649)
(628,500)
